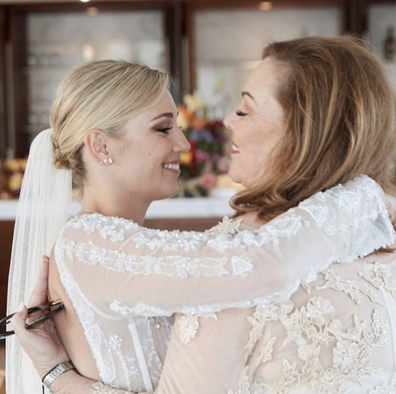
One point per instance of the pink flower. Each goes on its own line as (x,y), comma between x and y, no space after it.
(208,180)
(201,156)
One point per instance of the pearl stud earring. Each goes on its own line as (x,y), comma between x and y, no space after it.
(106,161)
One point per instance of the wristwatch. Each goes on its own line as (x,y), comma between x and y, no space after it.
(55,372)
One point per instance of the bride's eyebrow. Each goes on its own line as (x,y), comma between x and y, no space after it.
(164,115)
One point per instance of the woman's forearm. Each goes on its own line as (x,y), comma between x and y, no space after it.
(213,271)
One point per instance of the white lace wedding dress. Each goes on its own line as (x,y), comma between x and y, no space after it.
(125,281)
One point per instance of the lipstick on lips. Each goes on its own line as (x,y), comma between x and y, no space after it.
(235,148)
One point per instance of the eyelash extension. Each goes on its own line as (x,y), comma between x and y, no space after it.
(240,113)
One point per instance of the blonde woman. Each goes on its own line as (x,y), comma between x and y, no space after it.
(294,137)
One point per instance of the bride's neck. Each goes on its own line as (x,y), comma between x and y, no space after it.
(112,204)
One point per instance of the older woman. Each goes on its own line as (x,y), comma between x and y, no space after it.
(315,112)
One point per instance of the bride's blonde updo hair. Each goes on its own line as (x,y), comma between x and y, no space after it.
(103,95)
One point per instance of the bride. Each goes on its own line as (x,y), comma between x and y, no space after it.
(121,283)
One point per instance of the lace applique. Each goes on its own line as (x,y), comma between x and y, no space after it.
(133,371)
(107,226)
(68,282)
(64,249)
(349,201)
(100,388)
(140,309)
(85,315)
(280,227)
(227,226)
(241,265)
(178,266)
(261,316)
(380,329)
(266,352)
(189,325)
(168,328)
(170,240)
(314,326)
(318,211)
(382,278)
(356,290)
(386,388)
(115,344)
(244,385)
(98,343)
(151,351)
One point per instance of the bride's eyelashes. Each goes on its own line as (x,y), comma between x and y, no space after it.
(164,130)
(240,113)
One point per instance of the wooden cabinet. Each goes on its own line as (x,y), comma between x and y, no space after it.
(6,231)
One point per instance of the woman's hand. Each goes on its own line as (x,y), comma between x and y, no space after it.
(42,343)
(44,347)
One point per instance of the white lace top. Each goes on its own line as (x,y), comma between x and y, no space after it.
(123,279)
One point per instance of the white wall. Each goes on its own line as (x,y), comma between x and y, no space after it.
(56,40)
(230,42)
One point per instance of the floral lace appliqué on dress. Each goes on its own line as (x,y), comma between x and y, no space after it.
(330,356)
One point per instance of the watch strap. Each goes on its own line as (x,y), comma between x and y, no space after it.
(55,372)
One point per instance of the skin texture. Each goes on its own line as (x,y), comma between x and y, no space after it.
(257,124)
(138,153)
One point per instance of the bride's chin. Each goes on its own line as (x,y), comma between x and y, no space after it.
(172,192)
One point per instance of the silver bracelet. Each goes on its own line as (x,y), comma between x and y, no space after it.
(55,372)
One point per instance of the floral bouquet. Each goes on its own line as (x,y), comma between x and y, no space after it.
(208,155)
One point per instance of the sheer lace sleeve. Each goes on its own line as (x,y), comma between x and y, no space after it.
(124,269)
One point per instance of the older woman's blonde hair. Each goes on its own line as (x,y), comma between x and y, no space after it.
(103,95)
(340,123)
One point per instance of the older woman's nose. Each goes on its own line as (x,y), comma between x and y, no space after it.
(228,121)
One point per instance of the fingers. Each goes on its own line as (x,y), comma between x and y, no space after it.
(39,295)
(18,321)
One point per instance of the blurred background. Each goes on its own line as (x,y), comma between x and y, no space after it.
(208,46)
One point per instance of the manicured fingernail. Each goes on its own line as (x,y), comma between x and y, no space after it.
(20,307)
